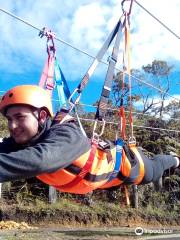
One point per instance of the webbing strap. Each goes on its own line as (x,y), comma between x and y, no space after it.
(93,66)
(98,57)
(84,170)
(121,109)
(119,147)
(62,79)
(50,78)
(123,122)
(127,53)
(80,124)
(61,84)
(44,75)
(47,77)
(63,91)
(109,76)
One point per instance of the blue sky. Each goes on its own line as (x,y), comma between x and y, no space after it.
(84,24)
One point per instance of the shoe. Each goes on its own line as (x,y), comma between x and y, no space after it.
(176,158)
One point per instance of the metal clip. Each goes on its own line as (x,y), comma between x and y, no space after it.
(47,33)
(96,135)
(51,48)
(132,140)
(125,10)
(110,58)
(72,102)
(50,37)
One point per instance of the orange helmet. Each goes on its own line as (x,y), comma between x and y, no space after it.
(32,95)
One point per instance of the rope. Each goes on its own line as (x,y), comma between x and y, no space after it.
(108,108)
(116,109)
(159,21)
(137,126)
(79,50)
(40,29)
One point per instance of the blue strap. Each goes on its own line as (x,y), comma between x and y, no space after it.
(61,95)
(119,147)
(62,86)
(63,90)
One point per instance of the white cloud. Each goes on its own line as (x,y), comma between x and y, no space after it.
(85,24)
(150,40)
(156,104)
(88,20)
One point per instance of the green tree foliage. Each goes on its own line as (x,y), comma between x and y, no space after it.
(3,127)
(120,91)
(158,68)
(160,72)
(151,138)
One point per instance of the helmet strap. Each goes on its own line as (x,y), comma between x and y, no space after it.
(41,116)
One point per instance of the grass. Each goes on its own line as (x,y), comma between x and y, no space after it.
(70,209)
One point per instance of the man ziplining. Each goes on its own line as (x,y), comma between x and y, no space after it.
(55,150)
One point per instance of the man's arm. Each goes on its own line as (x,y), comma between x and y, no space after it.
(59,148)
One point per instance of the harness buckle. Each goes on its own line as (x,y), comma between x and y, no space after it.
(110,58)
(132,140)
(76,101)
(103,145)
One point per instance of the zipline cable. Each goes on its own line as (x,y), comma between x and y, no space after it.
(111,109)
(137,126)
(20,19)
(114,123)
(39,29)
(159,21)
(77,49)
(108,108)
(115,109)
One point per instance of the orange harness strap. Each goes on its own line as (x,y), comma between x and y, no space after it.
(141,165)
(84,170)
(127,195)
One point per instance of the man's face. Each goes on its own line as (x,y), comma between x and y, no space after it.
(22,123)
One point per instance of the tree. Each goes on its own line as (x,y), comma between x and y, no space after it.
(173,109)
(145,93)
(159,71)
(120,92)
(3,127)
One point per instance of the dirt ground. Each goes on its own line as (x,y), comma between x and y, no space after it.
(75,234)
(59,233)
(63,224)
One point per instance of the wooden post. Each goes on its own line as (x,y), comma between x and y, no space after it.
(0,190)
(135,196)
(52,195)
(127,195)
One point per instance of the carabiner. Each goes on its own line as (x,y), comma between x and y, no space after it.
(50,37)
(96,135)
(47,33)
(50,46)
(72,102)
(130,7)
(132,140)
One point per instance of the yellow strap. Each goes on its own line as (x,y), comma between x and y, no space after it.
(141,166)
(128,63)
(127,195)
